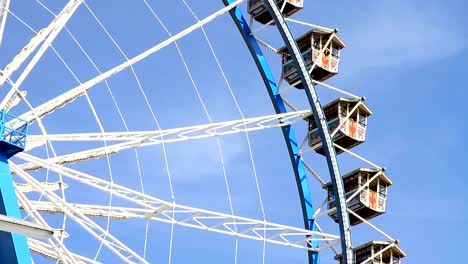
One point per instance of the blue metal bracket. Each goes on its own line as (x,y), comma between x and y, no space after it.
(288,132)
(13,131)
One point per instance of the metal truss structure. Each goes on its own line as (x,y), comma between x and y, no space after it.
(310,238)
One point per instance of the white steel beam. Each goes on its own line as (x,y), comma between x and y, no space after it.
(147,138)
(163,211)
(47,36)
(55,242)
(14,225)
(51,186)
(48,251)
(4,5)
(204,220)
(95,230)
(69,96)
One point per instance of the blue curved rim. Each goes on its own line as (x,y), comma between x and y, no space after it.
(288,132)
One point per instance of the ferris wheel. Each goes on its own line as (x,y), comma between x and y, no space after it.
(132,134)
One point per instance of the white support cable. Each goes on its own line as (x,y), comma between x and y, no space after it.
(137,159)
(112,243)
(255,31)
(330,30)
(114,102)
(336,89)
(47,36)
(153,114)
(48,251)
(158,125)
(357,156)
(4,5)
(225,177)
(78,91)
(204,220)
(371,225)
(88,99)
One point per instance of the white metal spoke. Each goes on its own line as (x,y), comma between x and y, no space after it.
(205,220)
(4,5)
(49,251)
(46,35)
(183,133)
(309,24)
(336,89)
(155,137)
(59,248)
(191,217)
(357,156)
(371,225)
(107,239)
(71,95)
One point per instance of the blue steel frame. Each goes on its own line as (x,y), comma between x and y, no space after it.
(288,132)
(13,247)
(322,125)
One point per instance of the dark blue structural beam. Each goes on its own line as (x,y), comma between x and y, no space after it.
(288,132)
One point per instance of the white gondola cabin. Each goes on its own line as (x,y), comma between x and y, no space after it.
(392,255)
(370,202)
(351,133)
(310,45)
(258,11)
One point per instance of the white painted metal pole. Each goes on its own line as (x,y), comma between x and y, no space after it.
(14,225)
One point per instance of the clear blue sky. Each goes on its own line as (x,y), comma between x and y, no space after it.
(406,57)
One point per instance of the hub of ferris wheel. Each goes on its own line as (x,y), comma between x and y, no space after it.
(365,189)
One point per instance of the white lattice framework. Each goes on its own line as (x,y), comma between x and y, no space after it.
(144,206)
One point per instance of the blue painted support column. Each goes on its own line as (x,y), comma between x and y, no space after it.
(288,132)
(13,247)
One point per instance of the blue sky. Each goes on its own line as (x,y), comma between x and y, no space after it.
(406,57)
